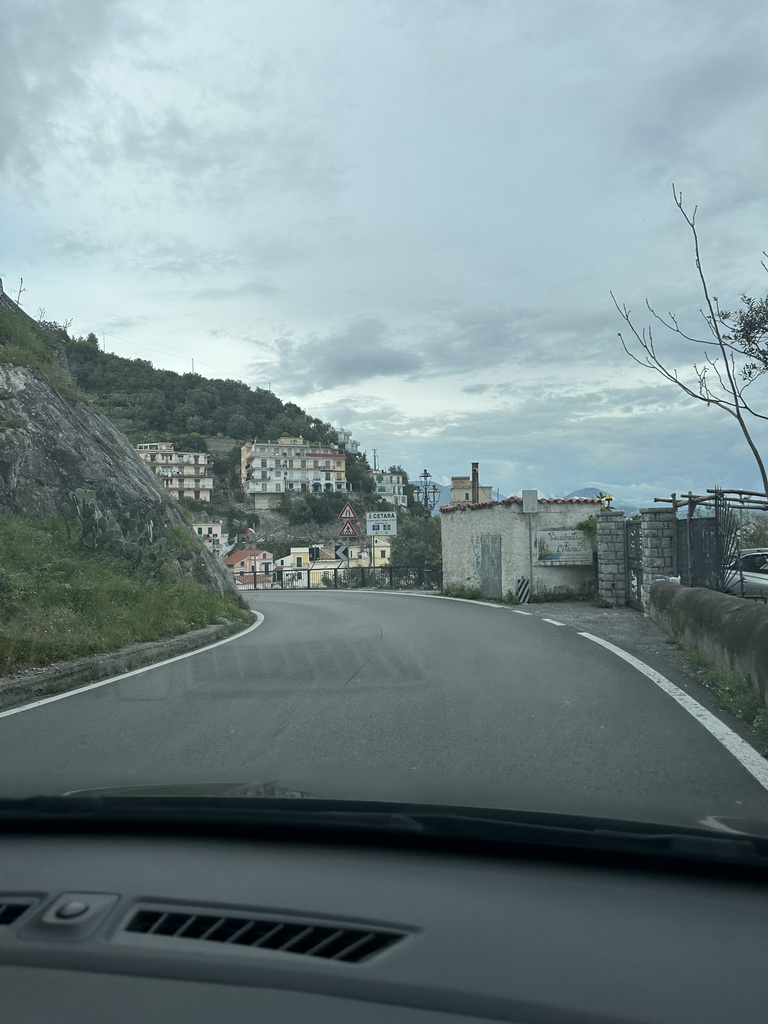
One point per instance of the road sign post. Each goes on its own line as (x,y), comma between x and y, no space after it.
(381,524)
(348,516)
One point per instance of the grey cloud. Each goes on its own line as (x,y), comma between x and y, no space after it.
(46,53)
(363,349)
(237,291)
(558,440)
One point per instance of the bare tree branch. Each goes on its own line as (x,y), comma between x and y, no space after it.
(734,335)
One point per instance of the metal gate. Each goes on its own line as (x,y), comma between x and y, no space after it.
(706,546)
(634,565)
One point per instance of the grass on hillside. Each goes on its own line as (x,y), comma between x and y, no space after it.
(25,344)
(56,604)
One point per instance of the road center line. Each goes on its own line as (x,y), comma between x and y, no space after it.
(744,753)
(553,621)
(133,672)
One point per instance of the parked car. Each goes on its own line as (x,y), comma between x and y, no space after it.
(747,576)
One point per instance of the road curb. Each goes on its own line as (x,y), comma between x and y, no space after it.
(35,683)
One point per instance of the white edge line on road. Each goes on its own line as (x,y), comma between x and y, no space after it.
(744,753)
(431,597)
(133,672)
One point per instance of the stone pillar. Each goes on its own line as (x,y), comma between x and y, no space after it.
(611,558)
(657,540)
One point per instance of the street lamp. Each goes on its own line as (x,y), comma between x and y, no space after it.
(429,495)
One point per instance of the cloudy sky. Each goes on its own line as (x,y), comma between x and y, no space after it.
(405,215)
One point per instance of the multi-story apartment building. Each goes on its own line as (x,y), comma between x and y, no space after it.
(390,487)
(271,469)
(183,474)
(209,533)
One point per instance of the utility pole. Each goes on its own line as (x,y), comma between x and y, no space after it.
(375,461)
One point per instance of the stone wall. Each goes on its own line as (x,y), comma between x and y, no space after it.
(657,545)
(657,540)
(729,632)
(611,557)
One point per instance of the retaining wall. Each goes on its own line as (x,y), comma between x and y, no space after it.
(729,632)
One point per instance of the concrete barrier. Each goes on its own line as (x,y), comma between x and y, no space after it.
(36,683)
(729,632)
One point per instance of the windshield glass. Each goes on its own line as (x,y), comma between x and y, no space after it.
(391,377)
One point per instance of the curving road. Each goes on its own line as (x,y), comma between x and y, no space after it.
(370,689)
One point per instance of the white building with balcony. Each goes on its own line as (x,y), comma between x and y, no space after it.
(390,487)
(270,470)
(183,474)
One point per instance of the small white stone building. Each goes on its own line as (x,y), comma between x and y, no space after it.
(500,546)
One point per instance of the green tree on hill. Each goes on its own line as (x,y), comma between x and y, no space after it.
(150,404)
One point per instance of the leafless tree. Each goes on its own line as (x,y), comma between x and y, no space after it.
(733,356)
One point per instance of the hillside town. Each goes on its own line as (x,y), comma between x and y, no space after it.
(272,473)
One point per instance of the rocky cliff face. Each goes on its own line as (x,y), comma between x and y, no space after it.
(51,444)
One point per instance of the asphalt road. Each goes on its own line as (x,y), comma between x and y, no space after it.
(367,690)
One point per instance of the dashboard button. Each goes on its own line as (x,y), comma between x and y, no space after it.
(74,908)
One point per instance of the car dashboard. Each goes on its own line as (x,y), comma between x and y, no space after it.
(124,925)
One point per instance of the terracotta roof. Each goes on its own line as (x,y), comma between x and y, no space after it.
(515,500)
(239,556)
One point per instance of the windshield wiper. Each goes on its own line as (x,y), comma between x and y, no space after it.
(517,829)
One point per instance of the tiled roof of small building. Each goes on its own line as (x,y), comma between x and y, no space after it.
(515,500)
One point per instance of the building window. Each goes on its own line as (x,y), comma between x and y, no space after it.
(200,530)
(299,561)
(264,487)
(277,487)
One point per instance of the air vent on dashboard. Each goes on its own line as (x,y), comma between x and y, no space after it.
(12,909)
(327,941)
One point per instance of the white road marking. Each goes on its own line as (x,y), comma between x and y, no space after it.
(744,753)
(432,597)
(518,612)
(133,672)
(553,621)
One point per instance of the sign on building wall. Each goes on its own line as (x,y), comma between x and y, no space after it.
(563,547)
(381,524)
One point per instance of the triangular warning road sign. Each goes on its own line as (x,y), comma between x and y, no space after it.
(347,530)
(348,513)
